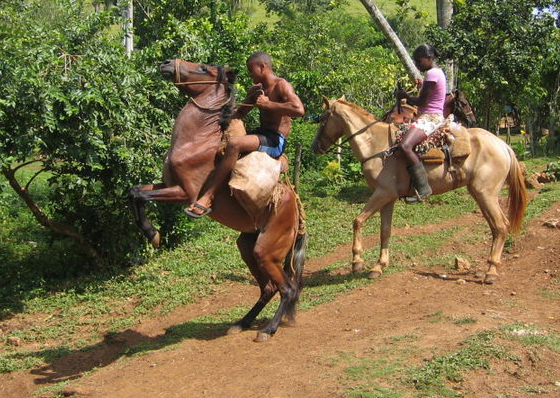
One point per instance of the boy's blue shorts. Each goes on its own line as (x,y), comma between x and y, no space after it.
(271,142)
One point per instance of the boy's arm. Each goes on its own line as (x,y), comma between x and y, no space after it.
(291,105)
(248,102)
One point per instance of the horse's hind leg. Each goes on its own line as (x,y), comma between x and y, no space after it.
(246,243)
(492,212)
(271,248)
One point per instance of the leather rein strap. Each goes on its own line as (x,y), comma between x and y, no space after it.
(383,154)
(178,82)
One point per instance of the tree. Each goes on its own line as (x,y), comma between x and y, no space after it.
(498,46)
(92,119)
(95,121)
(378,17)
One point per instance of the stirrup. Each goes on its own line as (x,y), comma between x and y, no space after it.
(416,198)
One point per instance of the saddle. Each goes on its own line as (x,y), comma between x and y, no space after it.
(450,141)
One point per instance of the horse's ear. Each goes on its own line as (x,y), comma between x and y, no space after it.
(343,98)
(326,101)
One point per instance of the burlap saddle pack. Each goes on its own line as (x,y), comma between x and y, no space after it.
(255,178)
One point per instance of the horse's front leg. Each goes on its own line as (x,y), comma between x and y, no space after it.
(375,202)
(140,194)
(386,214)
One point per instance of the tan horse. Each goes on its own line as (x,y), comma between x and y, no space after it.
(274,251)
(484,172)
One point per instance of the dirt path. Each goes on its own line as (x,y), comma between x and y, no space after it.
(301,361)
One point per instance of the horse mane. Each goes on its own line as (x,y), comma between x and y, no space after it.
(227,109)
(358,109)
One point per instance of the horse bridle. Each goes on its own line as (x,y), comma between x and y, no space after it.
(383,154)
(178,82)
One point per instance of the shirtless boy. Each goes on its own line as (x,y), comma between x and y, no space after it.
(277,103)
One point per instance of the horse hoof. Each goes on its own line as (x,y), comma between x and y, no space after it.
(289,323)
(374,275)
(479,274)
(156,240)
(262,337)
(235,329)
(490,279)
(358,266)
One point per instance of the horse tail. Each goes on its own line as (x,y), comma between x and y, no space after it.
(517,198)
(293,263)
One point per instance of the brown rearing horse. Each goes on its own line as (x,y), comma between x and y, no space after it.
(490,164)
(274,251)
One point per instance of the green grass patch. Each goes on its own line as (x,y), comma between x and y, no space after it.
(531,335)
(550,293)
(437,317)
(548,195)
(464,321)
(431,379)
(367,377)
(383,373)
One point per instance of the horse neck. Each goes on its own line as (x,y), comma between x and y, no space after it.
(194,123)
(374,140)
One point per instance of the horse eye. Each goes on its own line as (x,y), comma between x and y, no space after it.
(203,68)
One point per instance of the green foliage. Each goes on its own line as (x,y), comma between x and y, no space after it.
(332,54)
(91,117)
(97,121)
(500,48)
(290,7)
(553,170)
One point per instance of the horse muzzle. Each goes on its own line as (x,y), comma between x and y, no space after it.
(167,69)
(317,148)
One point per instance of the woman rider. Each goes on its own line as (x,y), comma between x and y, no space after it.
(430,103)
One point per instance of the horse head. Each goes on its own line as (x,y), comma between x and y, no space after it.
(329,129)
(195,78)
(462,109)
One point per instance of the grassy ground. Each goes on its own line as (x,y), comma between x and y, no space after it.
(92,306)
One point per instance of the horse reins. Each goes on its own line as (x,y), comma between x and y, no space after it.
(346,139)
(383,154)
(178,82)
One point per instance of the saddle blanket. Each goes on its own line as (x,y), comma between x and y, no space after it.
(449,135)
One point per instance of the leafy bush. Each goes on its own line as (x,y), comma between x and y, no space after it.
(96,121)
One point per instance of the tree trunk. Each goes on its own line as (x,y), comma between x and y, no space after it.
(487,106)
(46,222)
(128,29)
(444,14)
(378,17)
(553,111)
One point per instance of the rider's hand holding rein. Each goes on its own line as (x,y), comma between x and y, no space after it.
(263,102)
